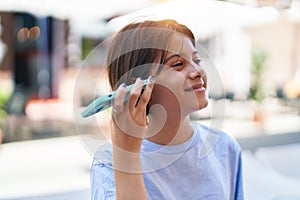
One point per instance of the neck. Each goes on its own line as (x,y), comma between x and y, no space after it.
(173,129)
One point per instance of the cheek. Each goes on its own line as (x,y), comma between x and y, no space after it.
(171,79)
(161,94)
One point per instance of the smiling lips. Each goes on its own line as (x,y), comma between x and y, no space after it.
(199,87)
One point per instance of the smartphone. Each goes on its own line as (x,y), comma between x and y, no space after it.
(104,102)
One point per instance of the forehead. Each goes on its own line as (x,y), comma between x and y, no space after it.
(181,45)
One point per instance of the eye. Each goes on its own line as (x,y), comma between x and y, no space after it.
(177,64)
(197,61)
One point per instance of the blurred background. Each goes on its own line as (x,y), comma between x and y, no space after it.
(254,44)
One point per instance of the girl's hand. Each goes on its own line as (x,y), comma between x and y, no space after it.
(129,119)
(128,130)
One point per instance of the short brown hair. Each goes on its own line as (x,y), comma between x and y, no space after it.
(139,44)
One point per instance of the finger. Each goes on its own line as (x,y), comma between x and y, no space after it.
(135,93)
(119,99)
(145,97)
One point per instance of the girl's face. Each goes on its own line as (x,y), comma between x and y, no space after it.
(181,85)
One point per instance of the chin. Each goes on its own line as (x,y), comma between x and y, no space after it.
(203,104)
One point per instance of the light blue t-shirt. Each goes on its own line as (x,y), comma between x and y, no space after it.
(207,166)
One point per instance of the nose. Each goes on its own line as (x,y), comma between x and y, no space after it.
(196,71)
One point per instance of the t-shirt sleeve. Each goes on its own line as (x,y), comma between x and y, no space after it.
(239,191)
(235,162)
(102,182)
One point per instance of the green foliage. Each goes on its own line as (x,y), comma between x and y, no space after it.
(3,99)
(256,91)
(88,44)
(258,58)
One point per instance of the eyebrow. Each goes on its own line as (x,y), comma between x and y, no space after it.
(172,56)
(177,55)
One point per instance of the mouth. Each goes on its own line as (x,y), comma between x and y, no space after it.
(199,87)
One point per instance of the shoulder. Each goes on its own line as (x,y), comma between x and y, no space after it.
(103,154)
(101,174)
(217,139)
(101,169)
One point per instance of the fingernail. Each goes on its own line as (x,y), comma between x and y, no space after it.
(151,78)
(138,79)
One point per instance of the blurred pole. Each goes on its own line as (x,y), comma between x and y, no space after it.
(44,49)
(24,63)
(7,39)
(59,55)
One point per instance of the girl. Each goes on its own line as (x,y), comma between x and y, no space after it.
(156,152)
